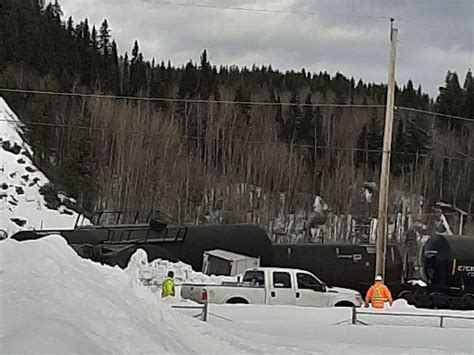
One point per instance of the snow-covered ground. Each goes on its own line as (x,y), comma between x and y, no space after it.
(53,301)
(313,330)
(21,204)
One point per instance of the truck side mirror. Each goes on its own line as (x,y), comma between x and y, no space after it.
(319,287)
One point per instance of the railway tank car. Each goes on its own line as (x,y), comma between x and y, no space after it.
(114,245)
(448,267)
(351,266)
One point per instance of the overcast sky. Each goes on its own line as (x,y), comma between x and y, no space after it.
(339,35)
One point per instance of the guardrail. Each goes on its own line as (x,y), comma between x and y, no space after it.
(441,317)
(204,308)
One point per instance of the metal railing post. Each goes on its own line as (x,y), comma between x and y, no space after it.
(354,316)
(441,320)
(205,307)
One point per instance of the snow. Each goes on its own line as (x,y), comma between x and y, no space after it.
(152,274)
(312,330)
(53,301)
(22,206)
(417,282)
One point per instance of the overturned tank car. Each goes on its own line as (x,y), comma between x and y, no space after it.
(114,244)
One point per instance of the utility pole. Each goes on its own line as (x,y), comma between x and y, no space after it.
(385,168)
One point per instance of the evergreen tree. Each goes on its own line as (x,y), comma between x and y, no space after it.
(205,77)
(305,126)
(115,69)
(410,143)
(189,82)
(399,148)
(362,155)
(94,43)
(125,83)
(370,140)
(292,118)
(104,38)
(242,110)
(450,100)
(468,96)
(70,26)
(135,52)
(138,81)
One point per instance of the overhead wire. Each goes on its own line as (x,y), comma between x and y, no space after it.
(198,101)
(436,113)
(438,141)
(230,102)
(263,10)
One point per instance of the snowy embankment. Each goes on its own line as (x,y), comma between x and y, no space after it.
(21,204)
(52,301)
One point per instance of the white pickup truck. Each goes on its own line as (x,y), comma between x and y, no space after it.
(275,286)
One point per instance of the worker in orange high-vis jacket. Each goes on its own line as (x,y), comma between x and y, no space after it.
(378,294)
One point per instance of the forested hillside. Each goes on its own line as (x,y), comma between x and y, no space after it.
(170,154)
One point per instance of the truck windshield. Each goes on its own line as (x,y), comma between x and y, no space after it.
(256,277)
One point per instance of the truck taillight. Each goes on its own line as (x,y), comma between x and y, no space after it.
(204,295)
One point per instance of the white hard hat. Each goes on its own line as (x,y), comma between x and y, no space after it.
(378,278)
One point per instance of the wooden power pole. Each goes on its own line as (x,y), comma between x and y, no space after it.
(385,168)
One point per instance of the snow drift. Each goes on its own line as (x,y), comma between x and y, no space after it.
(55,302)
(152,274)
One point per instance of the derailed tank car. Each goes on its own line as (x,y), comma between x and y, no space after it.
(351,266)
(114,245)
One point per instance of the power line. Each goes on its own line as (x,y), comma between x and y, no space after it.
(257,103)
(254,142)
(438,141)
(197,101)
(435,113)
(290,12)
(229,102)
(263,10)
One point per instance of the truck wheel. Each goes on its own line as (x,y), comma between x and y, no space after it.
(344,304)
(237,300)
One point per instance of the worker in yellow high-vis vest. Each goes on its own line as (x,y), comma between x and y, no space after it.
(378,294)
(167,287)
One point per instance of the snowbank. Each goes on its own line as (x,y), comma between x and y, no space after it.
(152,274)
(21,204)
(55,302)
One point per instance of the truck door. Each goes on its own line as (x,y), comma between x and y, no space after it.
(310,291)
(280,289)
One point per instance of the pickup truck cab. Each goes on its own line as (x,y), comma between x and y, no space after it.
(275,286)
